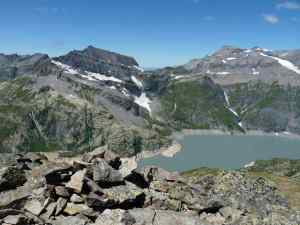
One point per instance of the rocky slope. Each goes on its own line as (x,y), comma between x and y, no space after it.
(85,99)
(258,90)
(97,188)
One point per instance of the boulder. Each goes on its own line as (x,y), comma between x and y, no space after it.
(76,199)
(104,173)
(99,201)
(34,206)
(144,176)
(73,209)
(73,220)
(62,191)
(115,217)
(76,182)
(126,196)
(60,206)
(150,217)
(11,178)
(16,220)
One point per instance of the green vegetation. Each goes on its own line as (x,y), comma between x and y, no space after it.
(196,105)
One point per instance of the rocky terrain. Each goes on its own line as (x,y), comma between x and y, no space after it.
(98,188)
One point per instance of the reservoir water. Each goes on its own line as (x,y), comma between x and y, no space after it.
(226,151)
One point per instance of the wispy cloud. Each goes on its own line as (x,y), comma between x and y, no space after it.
(288,5)
(270,18)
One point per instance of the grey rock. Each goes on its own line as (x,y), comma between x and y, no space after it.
(34,206)
(60,205)
(16,220)
(103,172)
(76,182)
(98,201)
(76,198)
(11,178)
(62,191)
(115,217)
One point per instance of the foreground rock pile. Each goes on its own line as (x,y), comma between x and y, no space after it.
(96,189)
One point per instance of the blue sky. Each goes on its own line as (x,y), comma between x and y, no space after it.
(156,32)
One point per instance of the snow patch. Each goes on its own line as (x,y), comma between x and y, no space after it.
(255,72)
(231,58)
(222,73)
(102,77)
(226,98)
(285,63)
(143,101)
(251,164)
(137,82)
(178,77)
(86,75)
(248,51)
(67,69)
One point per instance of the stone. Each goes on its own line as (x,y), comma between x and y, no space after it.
(165,217)
(60,206)
(99,201)
(93,186)
(73,220)
(76,182)
(128,194)
(16,197)
(62,191)
(76,199)
(16,220)
(115,217)
(11,178)
(103,172)
(73,209)
(50,210)
(34,206)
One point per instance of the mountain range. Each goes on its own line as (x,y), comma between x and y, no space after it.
(93,97)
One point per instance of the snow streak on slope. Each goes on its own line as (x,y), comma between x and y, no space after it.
(287,64)
(231,109)
(87,75)
(143,101)
(137,82)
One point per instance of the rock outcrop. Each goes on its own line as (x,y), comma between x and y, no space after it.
(86,190)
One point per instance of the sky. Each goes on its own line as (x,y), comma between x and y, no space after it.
(156,32)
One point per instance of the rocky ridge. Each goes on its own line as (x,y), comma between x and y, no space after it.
(96,189)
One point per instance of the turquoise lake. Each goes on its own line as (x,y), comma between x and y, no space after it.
(226,151)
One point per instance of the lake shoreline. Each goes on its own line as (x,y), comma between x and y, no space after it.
(172,150)
(218,132)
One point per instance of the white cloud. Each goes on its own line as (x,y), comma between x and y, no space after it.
(271,18)
(288,5)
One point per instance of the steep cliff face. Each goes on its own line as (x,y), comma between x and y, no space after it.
(101,61)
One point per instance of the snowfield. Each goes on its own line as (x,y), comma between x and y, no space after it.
(285,63)
(143,101)
(137,82)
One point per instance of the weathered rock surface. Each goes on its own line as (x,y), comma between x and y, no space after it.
(69,192)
